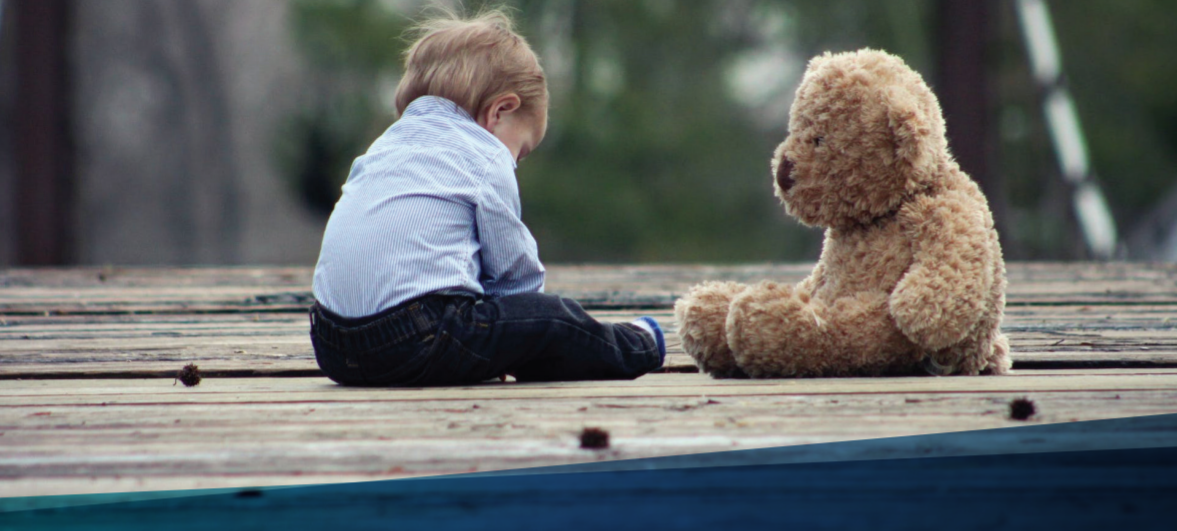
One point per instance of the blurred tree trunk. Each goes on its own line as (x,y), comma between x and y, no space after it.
(963,86)
(44,145)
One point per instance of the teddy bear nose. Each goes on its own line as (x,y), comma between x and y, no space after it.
(784,174)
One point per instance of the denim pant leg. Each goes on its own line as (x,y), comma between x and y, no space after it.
(539,337)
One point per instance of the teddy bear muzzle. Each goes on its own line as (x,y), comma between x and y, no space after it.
(784,174)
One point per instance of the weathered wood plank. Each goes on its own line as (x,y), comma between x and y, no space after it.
(233,368)
(47,392)
(668,276)
(277,344)
(295,359)
(92,436)
(155,345)
(143,432)
(218,290)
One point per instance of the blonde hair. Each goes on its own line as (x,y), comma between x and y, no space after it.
(471,62)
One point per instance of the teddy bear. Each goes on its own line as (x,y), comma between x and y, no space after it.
(910,279)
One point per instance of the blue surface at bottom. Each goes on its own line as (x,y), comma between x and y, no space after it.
(1134,488)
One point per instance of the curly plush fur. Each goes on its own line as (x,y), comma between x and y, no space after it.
(911,278)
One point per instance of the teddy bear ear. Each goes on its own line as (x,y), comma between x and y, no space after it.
(909,128)
(816,61)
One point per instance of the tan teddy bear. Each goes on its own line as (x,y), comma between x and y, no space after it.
(910,279)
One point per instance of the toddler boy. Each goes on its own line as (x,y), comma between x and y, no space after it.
(427,274)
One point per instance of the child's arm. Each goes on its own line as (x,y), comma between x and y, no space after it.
(510,259)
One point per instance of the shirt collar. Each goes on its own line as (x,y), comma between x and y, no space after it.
(436,105)
(426,105)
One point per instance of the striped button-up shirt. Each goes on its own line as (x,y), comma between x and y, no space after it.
(433,206)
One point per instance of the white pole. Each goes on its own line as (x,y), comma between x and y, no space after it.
(1066,133)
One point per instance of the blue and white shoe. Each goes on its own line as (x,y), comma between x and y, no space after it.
(650,325)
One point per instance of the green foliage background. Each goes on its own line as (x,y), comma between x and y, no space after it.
(650,156)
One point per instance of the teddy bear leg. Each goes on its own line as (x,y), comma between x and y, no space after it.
(778,330)
(765,326)
(701,316)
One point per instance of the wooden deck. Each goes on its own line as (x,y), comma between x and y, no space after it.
(88,355)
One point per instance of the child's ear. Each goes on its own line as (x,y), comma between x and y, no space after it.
(498,108)
(509,103)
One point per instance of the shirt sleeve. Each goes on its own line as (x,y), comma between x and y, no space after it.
(510,258)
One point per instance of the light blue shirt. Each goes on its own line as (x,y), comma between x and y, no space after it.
(432,206)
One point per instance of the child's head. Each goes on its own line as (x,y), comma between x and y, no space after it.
(486,68)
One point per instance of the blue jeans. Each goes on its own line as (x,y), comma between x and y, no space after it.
(456,340)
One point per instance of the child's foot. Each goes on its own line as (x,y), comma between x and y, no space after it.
(651,326)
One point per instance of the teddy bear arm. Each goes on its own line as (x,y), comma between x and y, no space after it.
(814,280)
(941,297)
